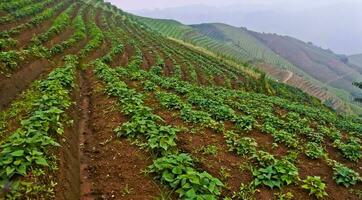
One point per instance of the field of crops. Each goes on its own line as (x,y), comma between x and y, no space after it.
(94,105)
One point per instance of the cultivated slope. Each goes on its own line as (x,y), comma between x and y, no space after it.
(243,45)
(104,108)
(323,65)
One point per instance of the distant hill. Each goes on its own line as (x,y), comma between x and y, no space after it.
(317,71)
(316,21)
(356,60)
(331,69)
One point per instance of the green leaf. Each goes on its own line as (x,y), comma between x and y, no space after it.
(190,193)
(41,161)
(18,153)
(9,170)
(177,170)
(167,176)
(21,169)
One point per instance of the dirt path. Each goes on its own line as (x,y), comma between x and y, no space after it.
(111,168)
(84,133)
(11,87)
(290,75)
(69,169)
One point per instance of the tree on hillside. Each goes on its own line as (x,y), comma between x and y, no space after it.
(359,85)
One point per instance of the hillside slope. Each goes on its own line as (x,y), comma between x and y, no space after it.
(323,65)
(356,59)
(95,105)
(243,45)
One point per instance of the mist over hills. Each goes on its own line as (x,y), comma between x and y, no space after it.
(336,27)
(356,59)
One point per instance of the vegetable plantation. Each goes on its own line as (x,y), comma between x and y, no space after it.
(95,105)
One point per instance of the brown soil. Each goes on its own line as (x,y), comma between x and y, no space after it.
(145,62)
(185,75)
(189,142)
(219,80)
(124,59)
(25,37)
(16,22)
(150,59)
(2,13)
(309,167)
(63,36)
(168,67)
(69,165)
(111,167)
(116,62)
(224,162)
(200,77)
(98,19)
(84,130)
(128,53)
(10,25)
(19,81)
(265,142)
(335,154)
(31,70)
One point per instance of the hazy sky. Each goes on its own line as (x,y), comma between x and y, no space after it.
(152,4)
(333,24)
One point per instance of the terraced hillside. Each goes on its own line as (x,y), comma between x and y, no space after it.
(279,66)
(323,65)
(94,105)
(242,45)
(239,45)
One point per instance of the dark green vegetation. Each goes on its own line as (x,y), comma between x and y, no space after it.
(111,109)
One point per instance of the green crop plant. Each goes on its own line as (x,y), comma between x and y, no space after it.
(26,148)
(245,123)
(314,150)
(170,101)
(278,174)
(287,138)
(344,175)
(241,145)
(209,150)
(263,158)
(351,149)
(178,172)
(315,186)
